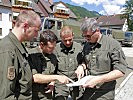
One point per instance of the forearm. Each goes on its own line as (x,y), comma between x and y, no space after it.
(40,78)
(113,75)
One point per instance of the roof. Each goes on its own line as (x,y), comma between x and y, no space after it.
(72,15)
(46,5)
(6,3)
(56,3)
(36,8)
(111,20)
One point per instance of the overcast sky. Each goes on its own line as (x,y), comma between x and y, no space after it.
(105,7)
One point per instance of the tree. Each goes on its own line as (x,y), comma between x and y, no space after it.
(128,14)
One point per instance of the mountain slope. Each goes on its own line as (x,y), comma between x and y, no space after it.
(81,12)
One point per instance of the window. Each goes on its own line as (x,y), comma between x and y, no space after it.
(25,3)
(59,25)
(10,17)
(0,16)
(49,24)
(14,17)
(0,31)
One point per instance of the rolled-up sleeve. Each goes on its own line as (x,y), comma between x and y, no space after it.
(118,59)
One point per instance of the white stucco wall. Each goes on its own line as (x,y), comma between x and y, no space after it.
(61,7)
(5,24)
(125,26)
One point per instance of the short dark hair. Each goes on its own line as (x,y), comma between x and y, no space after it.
(47,36)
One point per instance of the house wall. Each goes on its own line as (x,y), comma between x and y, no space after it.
(5,24)
(60,11)
(125,26)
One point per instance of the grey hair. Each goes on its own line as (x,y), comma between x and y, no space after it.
(89,24)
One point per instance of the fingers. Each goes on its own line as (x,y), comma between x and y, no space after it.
(79,72)
(79,77)
(65,79)
(70,80)
(48,91)
(85,86)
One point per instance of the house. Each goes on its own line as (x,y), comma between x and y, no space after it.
(113,22)
(61,10)
(56,9)
(18,5)
(5,18)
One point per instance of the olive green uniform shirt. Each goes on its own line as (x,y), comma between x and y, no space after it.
(15,73)
(68,60)
(43,64)
(101,58)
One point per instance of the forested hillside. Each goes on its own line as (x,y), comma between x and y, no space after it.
(81,12)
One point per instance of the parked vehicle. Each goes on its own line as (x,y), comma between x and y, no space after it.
(55,25)
(128,40)
(119,35)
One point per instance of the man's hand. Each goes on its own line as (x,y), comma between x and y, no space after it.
(50,87)
(80,72)
(92,82)
(64,79)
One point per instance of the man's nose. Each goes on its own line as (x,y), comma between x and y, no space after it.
(68,42)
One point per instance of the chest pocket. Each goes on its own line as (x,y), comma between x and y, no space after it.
(25,76)
(99,62)
(103,61)
(67,62)
(48,68)
(26,71)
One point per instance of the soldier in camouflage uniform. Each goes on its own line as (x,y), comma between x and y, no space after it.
(43,66)
(15,73)
(104,59)
(68,55)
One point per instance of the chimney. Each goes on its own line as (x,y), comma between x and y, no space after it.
(50,1)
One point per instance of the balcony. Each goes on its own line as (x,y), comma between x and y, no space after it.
(61,13)
(22,3)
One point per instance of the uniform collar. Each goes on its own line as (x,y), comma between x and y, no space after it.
(100,40)
(65,50)
(45,55)
(17,43)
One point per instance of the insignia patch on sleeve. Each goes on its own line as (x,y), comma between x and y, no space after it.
(11,73)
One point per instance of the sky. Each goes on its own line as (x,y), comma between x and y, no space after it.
(104,7)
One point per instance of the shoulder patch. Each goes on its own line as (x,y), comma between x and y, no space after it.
(11,73)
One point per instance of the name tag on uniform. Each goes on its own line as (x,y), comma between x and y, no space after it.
(11,73)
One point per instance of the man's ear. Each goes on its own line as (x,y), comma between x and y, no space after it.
(73,33)
(97,30)
(26,25)
(41,45)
